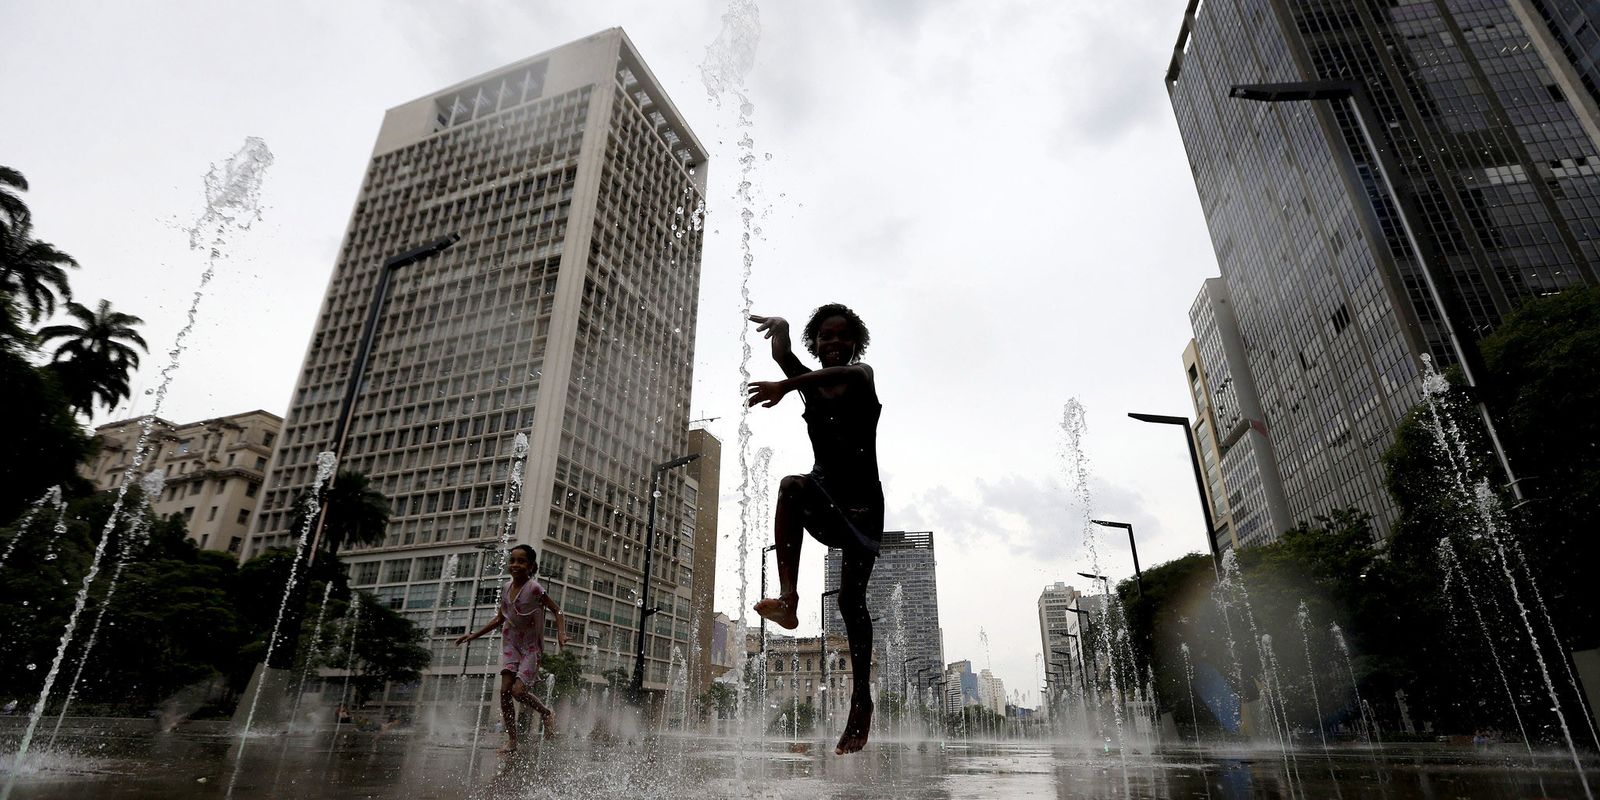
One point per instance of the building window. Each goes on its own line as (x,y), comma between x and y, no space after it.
(213,515)
(188,513)
(233,544)
(244,516)
(261,463)
(268,438)
(183,447)
(251,488)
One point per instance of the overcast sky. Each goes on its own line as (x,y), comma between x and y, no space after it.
(998,187)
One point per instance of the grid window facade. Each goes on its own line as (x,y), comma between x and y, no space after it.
(574,195)
(1331,307)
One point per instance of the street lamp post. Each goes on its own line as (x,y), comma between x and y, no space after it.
(769,548)
(369,331)
(827,696)
(1137,575)
(645,609)
(290,630)
(1199,479)
(1466,352)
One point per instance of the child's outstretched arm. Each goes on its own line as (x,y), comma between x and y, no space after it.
(493,623)
(777,330)
(561,621)
(768,393)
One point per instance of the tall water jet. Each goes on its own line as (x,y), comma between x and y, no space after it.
(138,533)
(233,203)
(1361,706)
(508,523)
(1303,619)
(52,498)
(326,462)
(1480,498)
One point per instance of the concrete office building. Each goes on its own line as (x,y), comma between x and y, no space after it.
(566,312)
(907,561)
(701,574)
(795,673)
(1057,627)
(1490,130)
(1247,502)
(214,469)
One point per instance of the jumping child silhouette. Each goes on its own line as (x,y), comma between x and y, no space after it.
(840,501)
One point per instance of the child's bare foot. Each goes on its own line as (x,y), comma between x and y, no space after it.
(855,731)
(781,610)
(511,747)
(549,718)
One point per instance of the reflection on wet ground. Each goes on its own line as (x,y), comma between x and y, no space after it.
(200,761)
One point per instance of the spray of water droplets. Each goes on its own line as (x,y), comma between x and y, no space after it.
(233,192)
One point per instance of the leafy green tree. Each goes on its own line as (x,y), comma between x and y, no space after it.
(1543,383)
(357,513)
(788,715)
(386,648)
(96,356)
(567,668)
(721,698)
(44,443)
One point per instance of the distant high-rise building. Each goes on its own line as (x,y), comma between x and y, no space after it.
(961,687)
(566,312)
(702,575)
(1247,503)
(1491,133)
(991,692)
(906,561)
(213,470)
(1057,626)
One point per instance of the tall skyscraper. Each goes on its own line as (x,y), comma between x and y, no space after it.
(566,312)
(906,561)
(1057,629)
(1490,133)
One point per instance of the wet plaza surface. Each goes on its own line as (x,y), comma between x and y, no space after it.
(200,761)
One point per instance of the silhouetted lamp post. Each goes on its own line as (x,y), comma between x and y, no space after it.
(1137,575)
(764,551)
(369,330)
(1199,479)
(645,609)
(1466,352)
(827,697)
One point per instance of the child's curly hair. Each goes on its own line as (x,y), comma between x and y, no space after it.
(821,315)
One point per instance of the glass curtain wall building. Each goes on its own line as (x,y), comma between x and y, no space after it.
(1493,155)
(566,312)
(906,561)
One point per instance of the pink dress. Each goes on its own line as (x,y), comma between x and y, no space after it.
(522,636)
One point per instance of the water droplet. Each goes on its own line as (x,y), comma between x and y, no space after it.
(50,557)
(32,667)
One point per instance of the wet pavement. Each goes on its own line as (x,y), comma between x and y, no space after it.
(201,761)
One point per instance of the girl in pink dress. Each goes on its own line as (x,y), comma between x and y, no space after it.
(523,603)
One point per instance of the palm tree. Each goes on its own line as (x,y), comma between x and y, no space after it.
(11,182)
(357,513)
(31,272)
(94,361)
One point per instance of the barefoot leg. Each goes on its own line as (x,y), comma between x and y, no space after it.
(856,729)
(527,698)
(854,574)
(789,530)
(508,712)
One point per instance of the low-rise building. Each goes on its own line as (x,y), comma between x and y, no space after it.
(213,470)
